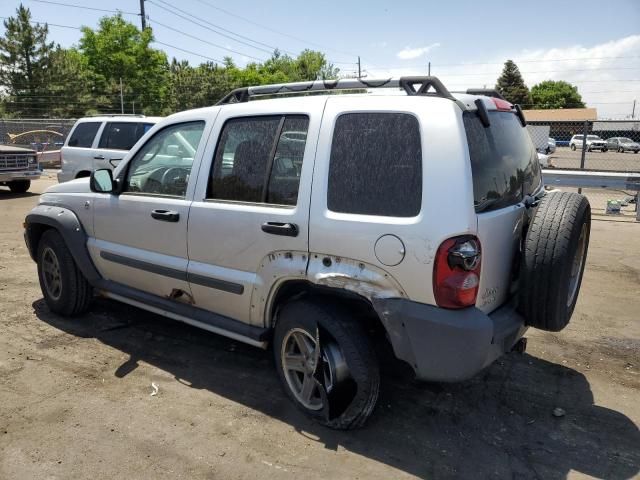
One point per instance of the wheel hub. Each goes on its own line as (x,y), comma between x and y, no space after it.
(51,273)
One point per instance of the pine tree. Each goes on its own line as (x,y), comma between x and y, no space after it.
(511,85)
(24,62)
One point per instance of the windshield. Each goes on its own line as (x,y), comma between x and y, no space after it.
(504,163)
(626,140)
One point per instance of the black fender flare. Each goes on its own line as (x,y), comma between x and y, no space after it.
(66,222)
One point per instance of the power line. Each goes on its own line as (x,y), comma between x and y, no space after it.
(197,20)
(72,5)
(204,41)
(279,32)
(188,51)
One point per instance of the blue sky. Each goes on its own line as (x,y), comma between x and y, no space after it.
(466,43)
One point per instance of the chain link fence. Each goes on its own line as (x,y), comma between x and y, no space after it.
(46,136)
(601,145)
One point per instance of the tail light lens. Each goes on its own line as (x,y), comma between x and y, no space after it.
(456,275)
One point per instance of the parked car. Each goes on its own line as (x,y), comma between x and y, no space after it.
(307,224)
(18,167)
(623,144)
(594,142)
(100,142)
(551,146)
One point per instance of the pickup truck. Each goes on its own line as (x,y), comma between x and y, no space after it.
(18,166)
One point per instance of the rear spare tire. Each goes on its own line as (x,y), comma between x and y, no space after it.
(554,257)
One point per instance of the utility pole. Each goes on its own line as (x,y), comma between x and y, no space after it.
(359,70)
(143,17)
(429,69)
(121,98)
(633,111)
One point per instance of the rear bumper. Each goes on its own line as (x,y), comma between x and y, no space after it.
(448,345)
(19,175)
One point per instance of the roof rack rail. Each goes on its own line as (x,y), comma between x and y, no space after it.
(139,115)
(418,85)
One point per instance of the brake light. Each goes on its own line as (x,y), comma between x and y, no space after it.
(502,105)
(456,274)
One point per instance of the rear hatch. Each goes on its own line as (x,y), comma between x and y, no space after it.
(505,172)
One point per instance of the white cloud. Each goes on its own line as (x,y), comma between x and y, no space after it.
(602,81)
(409,53)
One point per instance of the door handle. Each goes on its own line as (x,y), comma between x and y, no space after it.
(99,157)
(278,228)
(165,215)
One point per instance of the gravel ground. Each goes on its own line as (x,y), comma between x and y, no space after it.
(75,394)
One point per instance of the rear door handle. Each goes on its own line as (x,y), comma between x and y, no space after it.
(279,228)
(99,157)
(165,215)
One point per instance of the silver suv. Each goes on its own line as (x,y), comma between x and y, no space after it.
(593,142)
(307,224)
(100,142)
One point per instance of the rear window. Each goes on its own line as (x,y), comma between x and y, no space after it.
(504,162)
(122,135)
(83,134)
(376,165)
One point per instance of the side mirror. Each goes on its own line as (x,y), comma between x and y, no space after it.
(101,181)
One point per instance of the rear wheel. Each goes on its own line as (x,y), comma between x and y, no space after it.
(326,363)
(554,259)
(20,186)
(63,285)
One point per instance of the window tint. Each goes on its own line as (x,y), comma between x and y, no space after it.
(504,163)
(83,134)
(376,165)
(247,154)
(163,164)
(122,135)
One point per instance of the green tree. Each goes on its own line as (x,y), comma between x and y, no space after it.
(24,64)
(556,94)
(511,85)
(119,50)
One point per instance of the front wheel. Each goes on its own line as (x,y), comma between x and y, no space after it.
(620,150)
(573,147)
(604,149)
(64,287)
(326,363)
(20,186)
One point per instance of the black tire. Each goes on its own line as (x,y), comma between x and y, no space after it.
(620,150)
(605,149)
(20,186)
(636,151)
(75,294)
(356,350)
(553,261)
(573,147)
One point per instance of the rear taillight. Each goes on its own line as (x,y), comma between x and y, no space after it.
(456,274)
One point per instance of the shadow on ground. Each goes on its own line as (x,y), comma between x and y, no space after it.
(6,194)
(497,425)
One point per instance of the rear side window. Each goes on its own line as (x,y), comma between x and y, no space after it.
(83,134)
(504,162)
(259,160)
(376,165)
(122,135)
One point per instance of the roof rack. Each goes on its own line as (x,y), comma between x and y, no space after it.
(411,85)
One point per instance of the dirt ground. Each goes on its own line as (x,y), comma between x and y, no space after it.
(75,394)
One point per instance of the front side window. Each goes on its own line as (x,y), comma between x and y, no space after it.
(83,134)
(376,165)
(163,165)
(122,135)
(259,160)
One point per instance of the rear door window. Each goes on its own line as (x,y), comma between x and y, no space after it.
(83,134)
(259,160)
(504,162)
(122,135)
(376,165)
